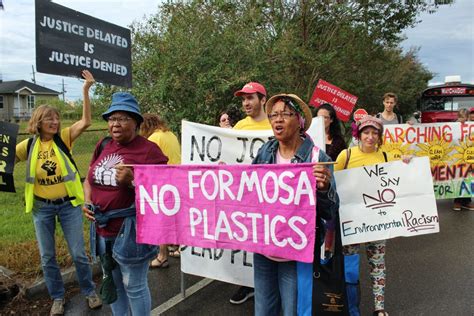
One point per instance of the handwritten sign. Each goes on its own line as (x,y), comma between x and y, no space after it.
(268,209)
(342,101)
(204,144)
(396,199)
(8,134)
(68,41)
(450,147)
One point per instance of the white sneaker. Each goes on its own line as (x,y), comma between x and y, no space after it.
(58,307)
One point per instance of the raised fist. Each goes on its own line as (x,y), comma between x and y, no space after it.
(50,167)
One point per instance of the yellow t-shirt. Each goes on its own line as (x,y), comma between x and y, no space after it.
(49,184)
(169,145)
(360,159)
(249,123)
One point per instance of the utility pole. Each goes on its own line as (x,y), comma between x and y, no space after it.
(33,72)
(63,92)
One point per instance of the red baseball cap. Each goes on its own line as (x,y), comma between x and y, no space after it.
(471,110)
(251,87)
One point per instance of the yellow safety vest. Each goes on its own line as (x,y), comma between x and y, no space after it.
(72,180)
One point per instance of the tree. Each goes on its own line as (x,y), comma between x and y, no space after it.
(189,58)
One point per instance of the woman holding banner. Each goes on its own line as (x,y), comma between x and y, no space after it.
(155,129)
(367,153)
(110,199)
(281,284)
(53,190)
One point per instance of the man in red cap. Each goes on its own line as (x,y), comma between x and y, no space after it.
(254,97)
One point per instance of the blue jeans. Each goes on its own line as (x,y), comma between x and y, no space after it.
(70,219)
(131,281)
(275,287)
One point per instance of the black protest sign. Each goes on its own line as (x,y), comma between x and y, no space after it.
(8,134)
(68,41)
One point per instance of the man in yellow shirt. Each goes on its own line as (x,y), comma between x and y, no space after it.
(253,96)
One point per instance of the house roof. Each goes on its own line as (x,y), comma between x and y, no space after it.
(9,87)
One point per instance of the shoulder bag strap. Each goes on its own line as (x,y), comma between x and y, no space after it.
(348,157)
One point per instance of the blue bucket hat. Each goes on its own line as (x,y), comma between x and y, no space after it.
(124,101)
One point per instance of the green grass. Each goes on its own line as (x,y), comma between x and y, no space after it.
(18,250)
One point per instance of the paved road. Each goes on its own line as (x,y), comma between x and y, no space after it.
(427,275)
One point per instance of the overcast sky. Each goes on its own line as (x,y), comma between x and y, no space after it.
(446,41)
(445,38)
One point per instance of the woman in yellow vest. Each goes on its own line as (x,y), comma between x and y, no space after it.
(53,190)
(156,130)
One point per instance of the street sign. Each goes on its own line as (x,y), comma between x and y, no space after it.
(359,114)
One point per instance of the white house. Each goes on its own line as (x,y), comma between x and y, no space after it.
(17,99)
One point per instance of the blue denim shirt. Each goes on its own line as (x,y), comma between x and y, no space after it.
(327,205)
(327,201)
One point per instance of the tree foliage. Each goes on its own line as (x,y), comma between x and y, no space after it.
(190,57)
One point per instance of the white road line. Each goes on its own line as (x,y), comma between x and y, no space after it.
(179,298)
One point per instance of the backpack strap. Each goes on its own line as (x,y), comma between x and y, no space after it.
(104,142)
(384,156)
(348,157)
(59,142)
(28,145)
(61,145)
(399,118)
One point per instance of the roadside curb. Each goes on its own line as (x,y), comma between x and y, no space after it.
(69,276)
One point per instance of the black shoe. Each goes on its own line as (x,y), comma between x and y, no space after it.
(242,294)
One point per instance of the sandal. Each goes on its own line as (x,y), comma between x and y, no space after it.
(157,263)
(174,253)
(380,313)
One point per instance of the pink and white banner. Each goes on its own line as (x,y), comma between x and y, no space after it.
(267,209)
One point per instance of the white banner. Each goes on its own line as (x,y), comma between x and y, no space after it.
(231,266)
(204,144)
(387,200)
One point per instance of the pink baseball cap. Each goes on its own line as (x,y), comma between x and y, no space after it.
(251,87)
(372,121)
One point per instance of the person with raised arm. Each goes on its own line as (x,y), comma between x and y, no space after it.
(53,191)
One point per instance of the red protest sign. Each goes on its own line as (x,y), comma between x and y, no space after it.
(342,101)
(359,114)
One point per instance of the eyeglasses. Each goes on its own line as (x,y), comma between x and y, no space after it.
(224,119)
(284,115)
(51,119)
(121,120)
